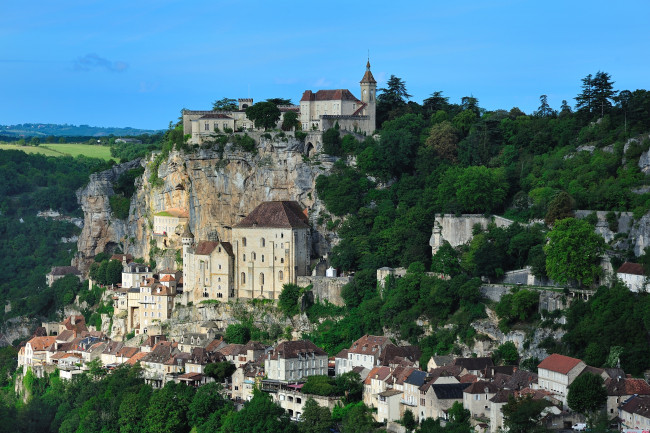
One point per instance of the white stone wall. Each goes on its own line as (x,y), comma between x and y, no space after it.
(268,258)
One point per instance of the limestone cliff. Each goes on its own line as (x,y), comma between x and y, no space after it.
(100,230)
(217,189)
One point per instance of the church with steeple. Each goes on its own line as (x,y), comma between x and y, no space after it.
(323,109)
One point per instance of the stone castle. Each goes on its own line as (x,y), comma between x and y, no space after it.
(318,111)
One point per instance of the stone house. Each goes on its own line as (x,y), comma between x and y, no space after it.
(59,272)
(556,372)
(411,394)
(208,269)
(38,351)
(135,274)
(167,225)
(496,415)
(295,360)
(620,389)
(374,384)
(245,379)
(437,398)
(476,398)
(635,413)
(475,366)
(370,351)
(389,405)
(633,275)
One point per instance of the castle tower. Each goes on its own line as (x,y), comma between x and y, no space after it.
(187,239)
(368,90)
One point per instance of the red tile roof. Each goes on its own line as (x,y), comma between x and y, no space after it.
(559,363)
(377,373)
(329,95)
(167,278)
(276,214)
(631,268)
(41,343)
(627,386)
(367,77)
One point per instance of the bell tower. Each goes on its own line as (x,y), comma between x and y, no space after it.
(368,96)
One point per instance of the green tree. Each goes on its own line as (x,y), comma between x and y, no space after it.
(394,94)
(207,401)
(168,409)
(288,299)
(573,252)
(113,272)
(443,138)
(506,354)
(260,415)
(332,142)
(263,114)
(225,104)
(559,208)
(238,333)
(408,421)
(358,419)
(522,415)
(587,394)
(315,418)
(219,371)
(290,121)
(280,101)
(544,109)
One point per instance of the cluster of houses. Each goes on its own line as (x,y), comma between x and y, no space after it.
(393,380)
(266,250)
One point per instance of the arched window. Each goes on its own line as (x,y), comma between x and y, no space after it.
(280,275)
(253,256)
(281,260)
(262,242)
(261,278)
(243,278)
(243,241)
(281,235)
(244,257)
(262,258)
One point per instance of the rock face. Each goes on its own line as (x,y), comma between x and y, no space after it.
(218,190)
(100,230)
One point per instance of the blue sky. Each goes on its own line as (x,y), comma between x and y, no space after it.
(138,63)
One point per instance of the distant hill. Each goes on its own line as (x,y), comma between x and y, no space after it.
(47,129)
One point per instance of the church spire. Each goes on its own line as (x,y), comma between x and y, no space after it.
(367,77)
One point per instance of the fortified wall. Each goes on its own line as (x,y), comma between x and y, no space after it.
(457,230)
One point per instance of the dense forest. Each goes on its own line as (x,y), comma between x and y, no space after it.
(439,157)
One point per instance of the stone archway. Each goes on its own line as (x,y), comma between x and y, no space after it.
(309,150)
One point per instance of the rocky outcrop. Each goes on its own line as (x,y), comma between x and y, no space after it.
(101,231)
(217,188)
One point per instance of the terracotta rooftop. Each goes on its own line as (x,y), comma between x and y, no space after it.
(627,386)
(631,268)
(329,95)
(79,324)
(559,363)
(377,373)
(167,278)
(136,358)
(41,343)
(369,345)
(276,214)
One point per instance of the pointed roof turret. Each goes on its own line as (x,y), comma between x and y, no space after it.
(367,77)
(187,234)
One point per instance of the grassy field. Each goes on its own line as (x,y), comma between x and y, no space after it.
(61,149)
